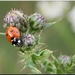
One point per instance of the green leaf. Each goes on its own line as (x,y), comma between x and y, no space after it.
(55,61)
(47,66)
(73,59)
(28,60)
(42,55)
(59,71)
(37,39)
(21,50)
(50,67)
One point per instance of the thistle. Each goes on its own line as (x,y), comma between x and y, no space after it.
(16,18)
(64,60)
(28,41)
(38,60)
(36,22)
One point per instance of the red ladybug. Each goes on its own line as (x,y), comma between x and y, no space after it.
(13,35)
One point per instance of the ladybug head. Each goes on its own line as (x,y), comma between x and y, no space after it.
(16,41)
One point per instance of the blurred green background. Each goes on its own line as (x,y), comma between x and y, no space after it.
(59,37)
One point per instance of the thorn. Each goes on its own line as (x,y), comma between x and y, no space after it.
(42,43)
(22,69)
(44,47)
(2,34)
(58,20)
(49,24)
(21,61)
(40,32)
(54,50)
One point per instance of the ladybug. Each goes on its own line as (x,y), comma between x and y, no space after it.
(13,35)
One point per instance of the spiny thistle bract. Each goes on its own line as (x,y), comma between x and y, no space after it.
(16,18)
(37,22)
(64,60)
(28,41)
(39,60)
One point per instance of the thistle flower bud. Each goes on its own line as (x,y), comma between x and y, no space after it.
(15,18)
(36,21)
(28,40)
(64,60)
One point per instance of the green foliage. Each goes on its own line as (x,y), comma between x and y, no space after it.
(43,61)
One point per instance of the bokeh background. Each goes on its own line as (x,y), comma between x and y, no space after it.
(59,37)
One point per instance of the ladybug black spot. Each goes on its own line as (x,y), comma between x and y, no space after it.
(16,32)
(11,30)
